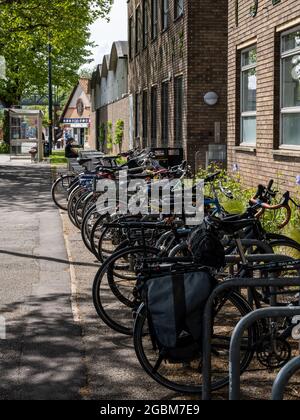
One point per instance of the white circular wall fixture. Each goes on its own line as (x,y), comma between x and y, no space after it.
(211,98)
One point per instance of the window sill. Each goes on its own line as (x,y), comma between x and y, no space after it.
(287,152)
(179,17)
(246,149)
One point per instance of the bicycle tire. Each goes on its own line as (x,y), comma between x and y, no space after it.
(60,182)
(98,281)
(139,334)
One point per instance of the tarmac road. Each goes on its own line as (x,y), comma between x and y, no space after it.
(49,353)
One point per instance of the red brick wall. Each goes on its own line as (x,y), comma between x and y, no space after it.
(262,164)
(113,112)
(207,71)
(195,46)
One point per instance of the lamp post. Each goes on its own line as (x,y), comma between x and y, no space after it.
(50,96)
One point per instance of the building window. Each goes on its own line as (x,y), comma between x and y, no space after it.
(145,118)
(165,114)
(290,88)
(154,116)
(179,8)
(248,96)
(137,30)
(154,19)
(178,95)
(130,29)
(137,115)
(145,23)
(165,14)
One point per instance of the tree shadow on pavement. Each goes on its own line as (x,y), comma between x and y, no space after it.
(41,357)
(45,258)
(25,187)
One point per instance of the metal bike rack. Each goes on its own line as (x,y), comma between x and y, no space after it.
(283,378)
(235,346)
(208,318)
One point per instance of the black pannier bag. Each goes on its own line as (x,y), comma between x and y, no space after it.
(175,304)
(206,247)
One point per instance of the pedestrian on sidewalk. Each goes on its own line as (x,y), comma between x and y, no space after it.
(70,150)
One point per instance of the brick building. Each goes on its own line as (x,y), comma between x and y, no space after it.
(264,90)
(110,100)
(178,55)
(77,117)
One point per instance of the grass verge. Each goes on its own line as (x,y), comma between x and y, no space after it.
(58,158)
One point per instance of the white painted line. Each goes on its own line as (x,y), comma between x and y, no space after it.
(74,290)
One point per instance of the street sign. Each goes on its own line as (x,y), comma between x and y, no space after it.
(76,120)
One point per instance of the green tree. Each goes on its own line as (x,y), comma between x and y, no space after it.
(27,27)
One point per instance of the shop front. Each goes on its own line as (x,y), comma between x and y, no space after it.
(78,128)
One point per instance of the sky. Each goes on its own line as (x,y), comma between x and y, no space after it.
(105,33)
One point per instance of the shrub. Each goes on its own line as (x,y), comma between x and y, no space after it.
(119,132)
(109,143)
(4,148)
(271,219)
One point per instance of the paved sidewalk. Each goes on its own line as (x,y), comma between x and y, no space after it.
(41,357)
(114,372)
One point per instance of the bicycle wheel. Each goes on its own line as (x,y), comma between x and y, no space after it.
(286,247)
(78,211)
(114,289)
(73,199)
(60,191)
(97,230)
(112,237)
(291,249)
(89,219)
(187,377)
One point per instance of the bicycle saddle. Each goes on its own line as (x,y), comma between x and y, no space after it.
(83,161)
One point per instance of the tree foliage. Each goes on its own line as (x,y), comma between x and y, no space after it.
(27,27)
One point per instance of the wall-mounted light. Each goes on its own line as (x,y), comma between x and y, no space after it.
(211,98)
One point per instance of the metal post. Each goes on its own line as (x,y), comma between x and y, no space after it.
(284,377)
(236,339)
(50,95)
(208,315)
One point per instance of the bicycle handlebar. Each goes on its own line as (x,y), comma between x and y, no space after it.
(284,204)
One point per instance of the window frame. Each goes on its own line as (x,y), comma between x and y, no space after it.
(178,143)
(246,114)
(145,119)
(154,22)
(178,16)
(165,108)
(165,13)
(138,38)
(145,23)
(130,35)
(137,116)
(154,88)
(286,110)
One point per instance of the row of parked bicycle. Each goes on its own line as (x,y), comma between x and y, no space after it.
(156,272)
